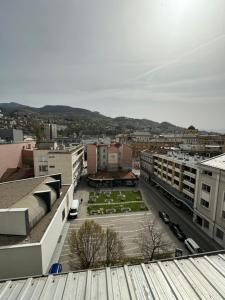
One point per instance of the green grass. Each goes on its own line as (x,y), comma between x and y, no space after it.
(137,206)
(115,195)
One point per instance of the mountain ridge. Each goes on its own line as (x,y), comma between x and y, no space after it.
(73,114)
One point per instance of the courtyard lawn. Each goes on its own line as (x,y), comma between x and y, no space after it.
(117,208)
(114,197)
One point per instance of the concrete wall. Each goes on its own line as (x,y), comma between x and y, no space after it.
(113,157)
(61,163)
(102,157)
(91,159)
(126,157)
(40,159)
(221,201)
(51,236)
(20,261)
(209,212)
(14,221)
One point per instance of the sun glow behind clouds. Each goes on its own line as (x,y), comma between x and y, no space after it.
(179,7)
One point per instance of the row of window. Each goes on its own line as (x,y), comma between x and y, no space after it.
(205,224)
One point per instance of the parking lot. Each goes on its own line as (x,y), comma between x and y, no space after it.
(129,227)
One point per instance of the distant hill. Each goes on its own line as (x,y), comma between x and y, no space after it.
(72,114)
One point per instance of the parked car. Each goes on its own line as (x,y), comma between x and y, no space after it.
(192,246)
(55,268)
(175,228)
(163,215)
(74,209)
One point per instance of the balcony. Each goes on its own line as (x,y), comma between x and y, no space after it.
(189,183)
(177,178)
(192,175)
(188,193)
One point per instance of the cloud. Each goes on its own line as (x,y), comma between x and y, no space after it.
(143,58)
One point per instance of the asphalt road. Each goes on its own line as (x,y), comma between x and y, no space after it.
(156,200)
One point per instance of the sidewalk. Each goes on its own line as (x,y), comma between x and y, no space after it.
(59,246)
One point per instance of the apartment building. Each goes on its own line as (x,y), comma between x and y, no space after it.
(209,209)
(51,158)
(11,135)
(112,158)
(176,172)
(50,131)
(32,215)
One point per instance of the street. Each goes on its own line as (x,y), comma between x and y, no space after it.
(157,201)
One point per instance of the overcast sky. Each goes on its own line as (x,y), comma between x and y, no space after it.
(158,59)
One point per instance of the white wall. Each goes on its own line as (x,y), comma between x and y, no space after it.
(51,236)
(13,221)
(20,261)
(40,159)
(34,259)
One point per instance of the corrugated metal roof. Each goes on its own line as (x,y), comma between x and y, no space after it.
(187,278)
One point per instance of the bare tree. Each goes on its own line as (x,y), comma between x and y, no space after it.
(151,240)
(86,243)
(113,248)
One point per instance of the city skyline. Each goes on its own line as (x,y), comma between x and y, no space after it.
(159,60)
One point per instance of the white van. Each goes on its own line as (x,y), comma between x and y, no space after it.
(192,246)
(74,209)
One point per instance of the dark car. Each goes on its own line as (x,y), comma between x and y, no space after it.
(175,228)
(163,215)
(55,268)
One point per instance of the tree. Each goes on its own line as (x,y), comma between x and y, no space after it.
(87,243)
(38,130)
(151,240)
(114,248)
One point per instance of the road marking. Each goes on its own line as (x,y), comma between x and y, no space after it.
(116,216)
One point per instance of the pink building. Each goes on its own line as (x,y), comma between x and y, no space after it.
(114,157)
(11,155)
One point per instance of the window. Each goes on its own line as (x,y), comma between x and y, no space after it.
(43,168)
(207,173)
(206,188)
(51,156)
(51,166)
(205,203)
(219,233)
(206,224)
(223,214)
(199,220)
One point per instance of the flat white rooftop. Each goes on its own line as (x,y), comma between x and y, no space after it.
(215,162)
(181,158)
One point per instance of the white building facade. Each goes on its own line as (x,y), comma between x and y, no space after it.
(66,160)
(209,210)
